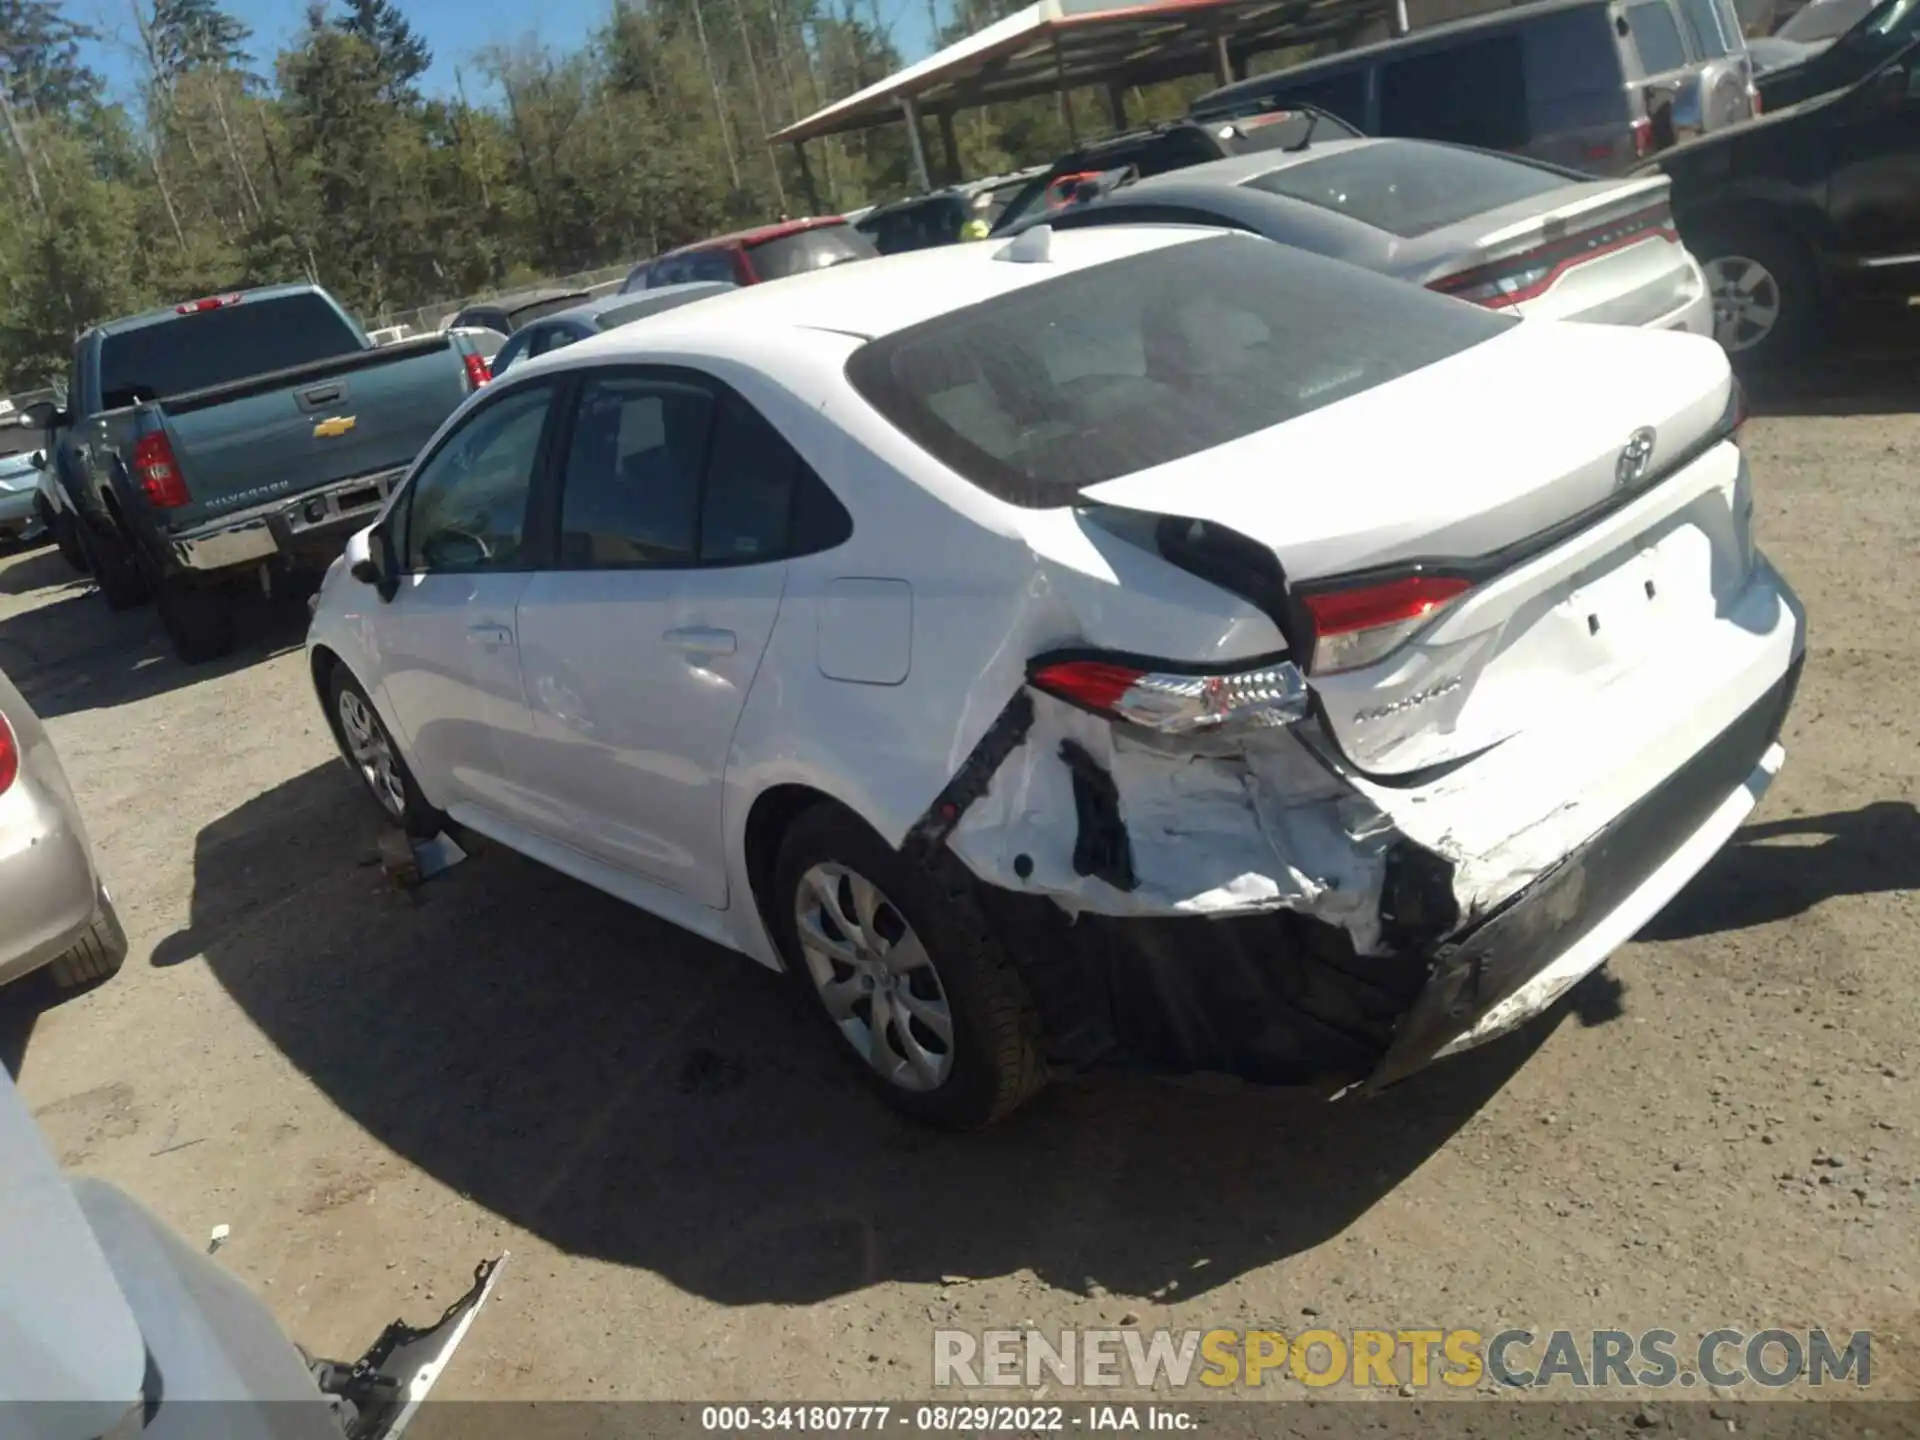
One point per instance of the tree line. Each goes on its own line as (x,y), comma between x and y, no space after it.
(330,162)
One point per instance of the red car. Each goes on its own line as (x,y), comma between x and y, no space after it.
(747,257)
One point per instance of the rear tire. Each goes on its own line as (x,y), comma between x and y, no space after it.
(370,752)
(97,956)
(198,620)
(1766,293)
(923,960)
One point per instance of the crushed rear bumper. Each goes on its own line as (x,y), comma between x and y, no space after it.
(1283,998)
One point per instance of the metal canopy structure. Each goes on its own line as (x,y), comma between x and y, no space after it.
(1058,45)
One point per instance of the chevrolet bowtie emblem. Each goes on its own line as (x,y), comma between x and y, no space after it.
(333,425)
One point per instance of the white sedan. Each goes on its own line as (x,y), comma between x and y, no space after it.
(1139,643)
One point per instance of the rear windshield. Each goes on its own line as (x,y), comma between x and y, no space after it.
(216,347)
(527,314)
(805,250)
(1408,189)
(1120,367)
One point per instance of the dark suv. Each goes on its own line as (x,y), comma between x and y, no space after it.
(748,257)
(1156,149)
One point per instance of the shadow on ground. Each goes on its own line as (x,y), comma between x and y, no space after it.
(70,653)
(1781,868)
(1869,366)
(632,1094)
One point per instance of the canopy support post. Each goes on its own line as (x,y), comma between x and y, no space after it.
(915,144)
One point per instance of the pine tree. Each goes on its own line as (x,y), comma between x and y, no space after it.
(403,57)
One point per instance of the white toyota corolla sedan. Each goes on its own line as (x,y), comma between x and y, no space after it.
(1140,644)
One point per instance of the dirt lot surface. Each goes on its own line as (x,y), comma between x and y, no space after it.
(376,1089)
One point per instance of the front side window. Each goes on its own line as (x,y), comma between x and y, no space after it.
(467,508)
(1407,188)
(630,494)
(1656,37)
(1116,368)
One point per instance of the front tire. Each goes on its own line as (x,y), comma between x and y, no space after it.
(372,754)
(1766,293)
(922,998)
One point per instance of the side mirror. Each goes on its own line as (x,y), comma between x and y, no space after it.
(1888,90)
(40,415)
(38,460)
(370,561)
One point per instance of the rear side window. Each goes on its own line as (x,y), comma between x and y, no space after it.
(1704,27)
(1656,37)
(1473,94)
(631,494)
(805,250)
(1120,367)
(216,347)
(1407,188)
(762,502)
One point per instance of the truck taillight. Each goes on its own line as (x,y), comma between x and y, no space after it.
(158,474)
(1356,625)
(1642,138)
(478,371)
(1174,701)
(9,756)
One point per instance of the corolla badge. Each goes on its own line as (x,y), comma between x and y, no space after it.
(1631,468)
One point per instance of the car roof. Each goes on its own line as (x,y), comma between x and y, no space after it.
(759,234)
(880,296)
(1238,169)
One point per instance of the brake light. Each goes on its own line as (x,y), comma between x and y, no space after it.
(9,756)
(157,473)
(478,371)
(1642,138)
(212,302)
(1174,702)
(1531,273)
(1360,624)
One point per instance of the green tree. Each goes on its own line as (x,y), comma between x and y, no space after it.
(401,56)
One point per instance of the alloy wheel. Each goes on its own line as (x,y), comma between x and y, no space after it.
(1746,301)
(372,753)
(874,976)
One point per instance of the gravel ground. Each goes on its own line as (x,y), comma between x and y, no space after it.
(376,1089)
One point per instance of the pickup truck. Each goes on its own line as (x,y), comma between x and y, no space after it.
(238,438)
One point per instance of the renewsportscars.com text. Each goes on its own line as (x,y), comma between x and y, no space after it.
(1391,1359)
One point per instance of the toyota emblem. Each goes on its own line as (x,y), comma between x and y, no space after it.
(1631,468)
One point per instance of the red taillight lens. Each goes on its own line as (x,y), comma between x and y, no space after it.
(478,371)
(1362,624)
(1174,702)
(1642,138)
(212,302)
(9,756)
(157,474)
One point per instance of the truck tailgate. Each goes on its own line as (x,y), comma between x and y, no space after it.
(281,436)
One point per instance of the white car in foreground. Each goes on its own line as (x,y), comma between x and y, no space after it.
(1140,643)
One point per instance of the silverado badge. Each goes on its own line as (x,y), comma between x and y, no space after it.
(333,425)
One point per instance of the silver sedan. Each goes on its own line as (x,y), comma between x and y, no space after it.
(1510,234)
(54,909)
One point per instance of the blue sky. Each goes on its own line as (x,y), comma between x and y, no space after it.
(454,28)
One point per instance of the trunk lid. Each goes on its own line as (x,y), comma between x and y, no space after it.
(1502,464)
(1605,252)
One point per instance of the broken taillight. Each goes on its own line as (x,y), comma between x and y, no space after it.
(1176,702)
(1357,625)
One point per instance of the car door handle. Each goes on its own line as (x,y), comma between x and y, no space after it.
(490,635)
(699,640)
